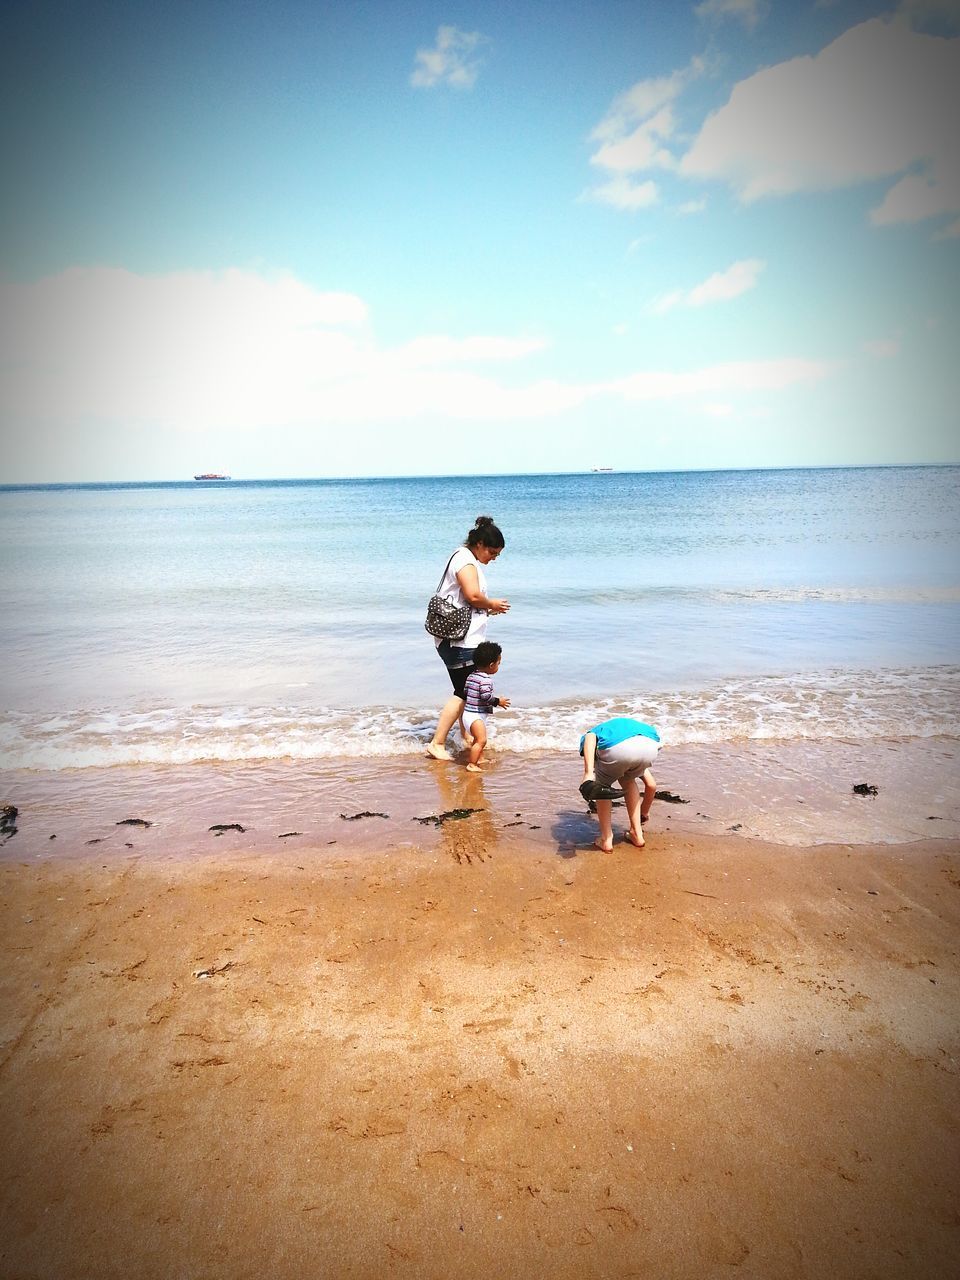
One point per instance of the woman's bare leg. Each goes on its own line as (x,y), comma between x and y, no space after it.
(437,746)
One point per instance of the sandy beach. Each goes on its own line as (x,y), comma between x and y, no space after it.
(475,1056)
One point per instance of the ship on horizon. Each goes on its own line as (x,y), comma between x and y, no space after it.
(211,475)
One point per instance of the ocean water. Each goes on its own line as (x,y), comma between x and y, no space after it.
(172,624)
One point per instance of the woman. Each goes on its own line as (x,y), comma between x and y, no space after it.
(465,582)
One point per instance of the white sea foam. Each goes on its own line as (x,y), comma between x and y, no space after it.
(839,705)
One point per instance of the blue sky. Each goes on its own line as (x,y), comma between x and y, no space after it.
(326,239)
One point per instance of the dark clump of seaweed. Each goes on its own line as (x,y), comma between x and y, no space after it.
(450,815)
(8,822)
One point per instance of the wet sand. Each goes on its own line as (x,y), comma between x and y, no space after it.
(480,1056)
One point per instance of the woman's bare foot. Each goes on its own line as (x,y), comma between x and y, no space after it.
(603,846)
(636,838)
(474,768)
(438,752)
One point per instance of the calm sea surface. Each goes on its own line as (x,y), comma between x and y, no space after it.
(171,623)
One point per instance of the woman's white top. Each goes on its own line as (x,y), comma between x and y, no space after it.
(450,589)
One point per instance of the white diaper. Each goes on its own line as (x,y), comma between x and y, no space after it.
(471,717)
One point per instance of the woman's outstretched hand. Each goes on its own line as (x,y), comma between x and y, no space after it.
(498,606)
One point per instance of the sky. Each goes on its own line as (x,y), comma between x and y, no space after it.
(323,239)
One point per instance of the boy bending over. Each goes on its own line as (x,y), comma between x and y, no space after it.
(619,750)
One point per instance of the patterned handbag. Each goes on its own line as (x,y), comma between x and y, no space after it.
(446,620)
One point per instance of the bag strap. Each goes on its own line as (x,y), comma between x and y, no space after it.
(444,574)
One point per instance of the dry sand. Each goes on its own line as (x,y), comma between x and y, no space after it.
(481,1059)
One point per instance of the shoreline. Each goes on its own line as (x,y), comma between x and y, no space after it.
(789,794)
(479,1058)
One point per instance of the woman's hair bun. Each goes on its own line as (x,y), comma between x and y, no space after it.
(485,534)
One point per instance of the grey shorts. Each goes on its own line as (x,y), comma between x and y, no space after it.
(626,760)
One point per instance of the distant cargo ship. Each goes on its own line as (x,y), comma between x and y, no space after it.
(592,469)
(211,475)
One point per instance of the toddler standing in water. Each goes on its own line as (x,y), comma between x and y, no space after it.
(480,700)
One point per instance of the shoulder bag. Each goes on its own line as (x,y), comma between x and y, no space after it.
(446,620)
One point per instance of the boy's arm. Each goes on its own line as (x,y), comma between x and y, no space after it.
(589,754)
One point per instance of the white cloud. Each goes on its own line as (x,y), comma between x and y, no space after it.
(735,376)
(641,148)
(749,12)
(724,285)
(440,349)
(915,198)
(633,137)
(189,348)
(451,61)
(880,101)
(622,193)
(235,351)
(720,287)
(692,206)
(640,102)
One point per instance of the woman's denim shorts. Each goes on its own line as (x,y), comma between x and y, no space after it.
(459,664)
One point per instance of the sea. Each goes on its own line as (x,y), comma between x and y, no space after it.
(791,633)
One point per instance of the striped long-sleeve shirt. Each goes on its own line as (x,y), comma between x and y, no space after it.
(478,692)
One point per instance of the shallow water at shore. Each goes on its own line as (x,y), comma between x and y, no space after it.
(787,793)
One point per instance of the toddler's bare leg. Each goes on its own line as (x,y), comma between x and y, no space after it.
(479,742)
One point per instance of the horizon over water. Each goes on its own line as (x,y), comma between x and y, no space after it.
(226,481)
(172,623)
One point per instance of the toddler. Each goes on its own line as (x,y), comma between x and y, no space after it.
(480,700)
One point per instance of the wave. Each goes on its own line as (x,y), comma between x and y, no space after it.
(843,705)
(882,595)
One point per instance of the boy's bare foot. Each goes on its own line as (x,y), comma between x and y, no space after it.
(636,839)
(474,768)
(603,846)
(438,752)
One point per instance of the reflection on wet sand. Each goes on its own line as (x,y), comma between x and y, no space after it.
(474,835)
